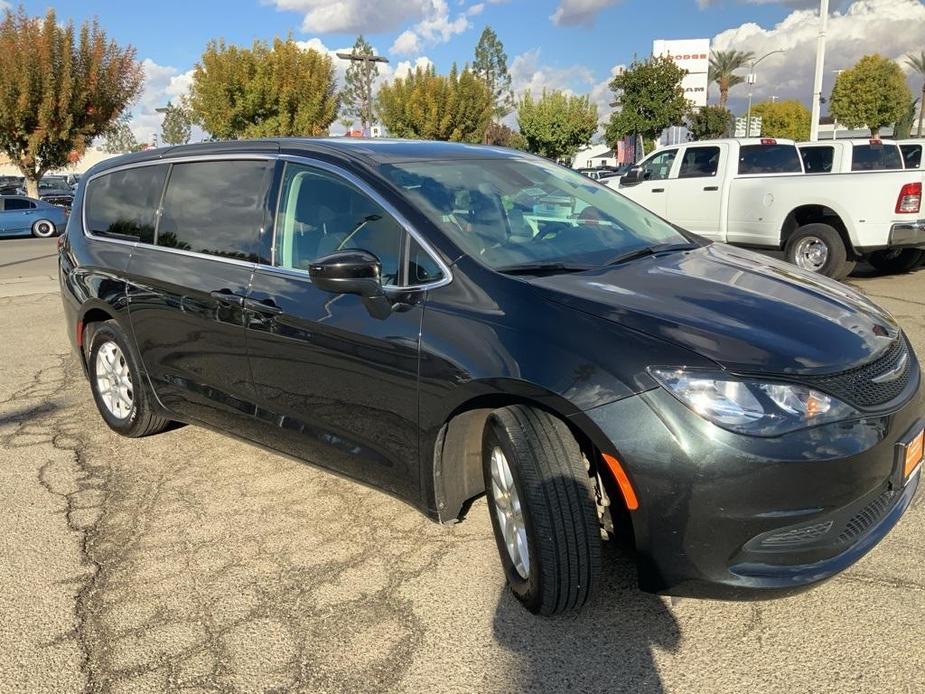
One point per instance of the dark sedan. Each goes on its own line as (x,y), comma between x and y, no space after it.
(443,320)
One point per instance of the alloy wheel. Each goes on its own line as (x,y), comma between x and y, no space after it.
(114,381)
(509,512)
(811,253)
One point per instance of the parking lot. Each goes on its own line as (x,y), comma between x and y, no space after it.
(193,562)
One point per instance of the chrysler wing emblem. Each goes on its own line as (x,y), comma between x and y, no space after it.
(893,373)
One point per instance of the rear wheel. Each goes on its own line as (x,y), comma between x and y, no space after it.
(896,259)
(542,509)
(43,229)
(819,248)
(121,394)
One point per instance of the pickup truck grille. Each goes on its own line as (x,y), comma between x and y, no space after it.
(859,386)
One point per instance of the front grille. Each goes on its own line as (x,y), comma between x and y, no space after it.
(856,386)
(797,536)
(866,518)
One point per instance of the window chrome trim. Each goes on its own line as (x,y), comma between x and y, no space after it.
(297,159)
(244,156)
(376,197)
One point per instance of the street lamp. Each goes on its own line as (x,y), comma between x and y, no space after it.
(750,79)
(820,66)
(360,58)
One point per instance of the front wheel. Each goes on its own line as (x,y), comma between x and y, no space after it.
(542,509)
(819,248)
(896,259)
(44,229)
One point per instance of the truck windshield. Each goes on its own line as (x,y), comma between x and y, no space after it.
(508,212)
(769,159)
(876,157)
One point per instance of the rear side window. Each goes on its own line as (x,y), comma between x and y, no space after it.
(769,159)
(699,162)
(818,159)
(876,158)
(17,204)
(124,204)
(215,207)
(912,156)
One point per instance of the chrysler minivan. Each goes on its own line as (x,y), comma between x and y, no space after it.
(442,321)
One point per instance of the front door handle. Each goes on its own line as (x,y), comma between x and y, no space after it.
(658,190)
(267,306)
(711,188)
(226,296)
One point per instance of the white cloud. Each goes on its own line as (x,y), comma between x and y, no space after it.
(162,84)
(527,73)
(4,5)
(892,28)
(437,26)
(406,67)
(354,16)
(570,12)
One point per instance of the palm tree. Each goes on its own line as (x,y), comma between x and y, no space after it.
(723,65)
(917,63)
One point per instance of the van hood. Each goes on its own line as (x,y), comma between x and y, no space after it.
(745,311)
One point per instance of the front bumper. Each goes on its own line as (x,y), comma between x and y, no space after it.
(727,516)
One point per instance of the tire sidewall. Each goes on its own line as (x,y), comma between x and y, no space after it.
(38,234)
(528,590)
(110,332)
(837,253)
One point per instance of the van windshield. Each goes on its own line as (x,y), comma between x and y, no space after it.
(510,212)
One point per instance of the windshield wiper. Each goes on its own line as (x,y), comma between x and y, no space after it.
(649,250)
(542,268)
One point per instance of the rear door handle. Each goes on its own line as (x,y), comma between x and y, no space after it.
(658,190)
(226,296)
(267,306)
(711,188)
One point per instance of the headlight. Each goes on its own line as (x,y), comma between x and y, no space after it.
(752,407)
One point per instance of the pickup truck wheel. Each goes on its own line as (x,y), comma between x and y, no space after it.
(542,509)
(118,384)
(819,248)
(896,259)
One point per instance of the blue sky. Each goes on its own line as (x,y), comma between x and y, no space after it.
(569,44)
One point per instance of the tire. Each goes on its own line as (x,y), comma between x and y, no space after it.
(896,259)
(819,248)
(44,229)
(557,516)
(125,405)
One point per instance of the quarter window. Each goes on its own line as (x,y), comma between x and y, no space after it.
(123,204)
(699,162)
(320,213)
(912,156)
(215,207)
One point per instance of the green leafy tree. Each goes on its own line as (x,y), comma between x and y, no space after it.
(60,89)
(276,90)
(723,66)
(709,122)
(175,130)
(788,119)
(917,63)
(491,66)
(455,107)
(556,125)
(873,93)
(903,128)
(651,99)
(119,138)
(357,96)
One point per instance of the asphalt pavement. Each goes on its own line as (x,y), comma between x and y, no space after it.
(189,561)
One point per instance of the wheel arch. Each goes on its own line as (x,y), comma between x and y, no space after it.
(816,213)
(91,313)
(455,473)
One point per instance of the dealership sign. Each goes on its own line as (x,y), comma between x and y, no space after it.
(692,55)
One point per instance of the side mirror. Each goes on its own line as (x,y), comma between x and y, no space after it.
(632,177)
(348,272)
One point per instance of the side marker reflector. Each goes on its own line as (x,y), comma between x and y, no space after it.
(629,494)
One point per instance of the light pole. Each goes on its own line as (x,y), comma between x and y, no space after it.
(820,66)
(162,110)
(750,80)
(368,84)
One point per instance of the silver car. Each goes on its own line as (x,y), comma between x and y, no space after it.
(20,215)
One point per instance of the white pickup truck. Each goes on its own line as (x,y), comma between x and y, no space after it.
(753,192)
